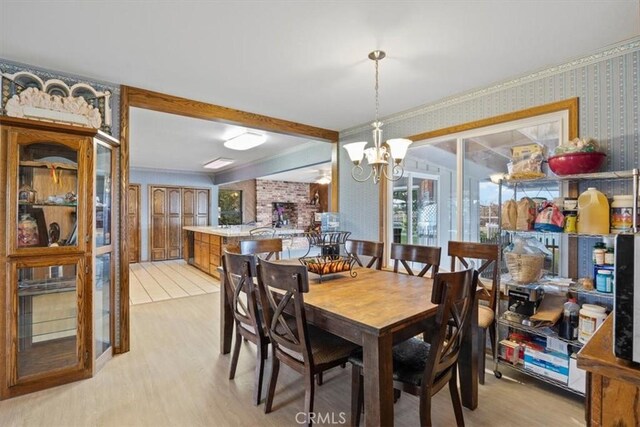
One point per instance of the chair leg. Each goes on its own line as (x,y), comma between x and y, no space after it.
(308,395)
(319,378)
(262,356)
(275,368)
(357,395)
(455,397)
(425,409)
(234,356)
(482,354)
(492,336)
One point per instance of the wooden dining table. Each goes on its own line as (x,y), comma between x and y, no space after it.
(376,309)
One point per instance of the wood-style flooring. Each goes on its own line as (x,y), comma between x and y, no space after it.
(175,376)
(163,280)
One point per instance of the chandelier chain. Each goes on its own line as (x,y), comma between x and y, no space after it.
(377,96)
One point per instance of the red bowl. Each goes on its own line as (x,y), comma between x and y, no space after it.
(575,163)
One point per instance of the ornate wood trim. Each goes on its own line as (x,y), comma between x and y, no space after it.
(155,101)
(570,104)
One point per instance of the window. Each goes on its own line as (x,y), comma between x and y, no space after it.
(229,207)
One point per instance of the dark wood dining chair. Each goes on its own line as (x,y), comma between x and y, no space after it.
(488,256)
(373,250)
(264,248)
(305,348)
(424,368)
(427,255)
(239,271)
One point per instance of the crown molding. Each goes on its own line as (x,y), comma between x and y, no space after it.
(609,52)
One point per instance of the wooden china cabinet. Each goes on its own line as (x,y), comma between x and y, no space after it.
(57,255)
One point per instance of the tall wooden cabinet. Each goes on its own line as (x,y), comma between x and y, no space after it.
(56,255)
(172,208)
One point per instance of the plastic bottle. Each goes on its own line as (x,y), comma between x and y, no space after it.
(570,320)
(593,212)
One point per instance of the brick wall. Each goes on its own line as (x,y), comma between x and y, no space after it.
(269,192)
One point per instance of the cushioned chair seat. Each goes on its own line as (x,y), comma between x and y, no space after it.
(409,360)
(325,347)
(485,316)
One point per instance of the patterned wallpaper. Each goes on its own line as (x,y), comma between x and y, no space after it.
(70,79)
(607,84)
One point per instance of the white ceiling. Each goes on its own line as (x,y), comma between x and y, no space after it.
(166,141)
(305,60)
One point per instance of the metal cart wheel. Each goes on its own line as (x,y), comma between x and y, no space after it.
(498,374)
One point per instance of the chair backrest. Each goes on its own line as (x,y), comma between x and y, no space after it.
(489,254)
(239,271)
(264,248)
(358,248)
(428,255)
(281,288)
(262,232)
(454,293)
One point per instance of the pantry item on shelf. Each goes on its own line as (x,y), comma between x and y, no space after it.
(599,250)
(525,300)
(549,311)
(549,218)
(525,259)
(571,223)
(570,322)
(526,214)
(593,212)
(591,317)
(26,194)
(586,283)
(27,231)
(576,156)
(622,214)
(604,281)
(539,201)
(570,204)
(526,162)
(609,257)
(511,351)
(509,215)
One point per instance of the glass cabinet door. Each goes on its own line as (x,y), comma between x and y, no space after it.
(103,180)
(45,193)
(102,304)
(47,306)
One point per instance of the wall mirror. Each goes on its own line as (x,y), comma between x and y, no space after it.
(446,192)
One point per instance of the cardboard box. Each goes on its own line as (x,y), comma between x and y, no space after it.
(550,364)
(577,376)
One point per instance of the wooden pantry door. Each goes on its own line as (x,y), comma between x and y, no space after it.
(172,208)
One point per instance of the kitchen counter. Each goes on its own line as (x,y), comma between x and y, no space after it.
(238,230)
(203,246)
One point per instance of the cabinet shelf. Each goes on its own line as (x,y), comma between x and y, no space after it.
(44,204)
(617,175)
(48,165)
(46,286)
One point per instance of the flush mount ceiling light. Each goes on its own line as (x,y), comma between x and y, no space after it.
(218,163)
(323,179)
(245,141)
(380,155)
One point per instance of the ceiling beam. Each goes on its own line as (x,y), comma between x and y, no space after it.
(164,103)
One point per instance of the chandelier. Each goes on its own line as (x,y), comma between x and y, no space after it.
(381,154)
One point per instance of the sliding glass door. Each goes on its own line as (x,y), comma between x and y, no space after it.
(415,210)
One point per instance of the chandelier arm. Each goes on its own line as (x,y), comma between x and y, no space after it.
(360,170)
(394,177)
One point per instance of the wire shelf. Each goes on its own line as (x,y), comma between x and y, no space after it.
(540,377)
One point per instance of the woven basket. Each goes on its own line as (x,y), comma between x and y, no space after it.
(524,268)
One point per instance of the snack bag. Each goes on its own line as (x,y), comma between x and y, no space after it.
(526,214)
(509,215)
(549,219)
(526,162)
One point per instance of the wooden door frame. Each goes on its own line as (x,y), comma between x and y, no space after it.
(139,236)
(142,98)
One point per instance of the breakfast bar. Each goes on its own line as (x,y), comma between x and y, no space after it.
(203,245)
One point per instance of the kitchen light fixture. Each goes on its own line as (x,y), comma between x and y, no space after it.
(245,141)
(323,179)
(218,163)
(381,154)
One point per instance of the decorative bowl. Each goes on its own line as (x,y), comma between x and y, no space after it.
(576,163)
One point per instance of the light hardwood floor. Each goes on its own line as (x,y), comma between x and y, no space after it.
(174,376)
(163,280)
